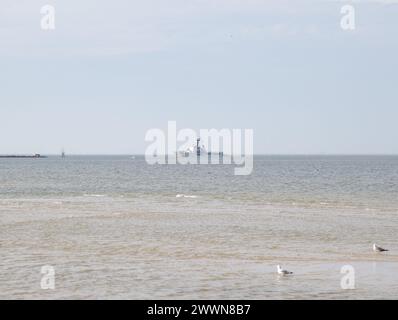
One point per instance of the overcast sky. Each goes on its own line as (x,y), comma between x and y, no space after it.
(111,70)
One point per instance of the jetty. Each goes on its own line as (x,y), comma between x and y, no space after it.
(35,156)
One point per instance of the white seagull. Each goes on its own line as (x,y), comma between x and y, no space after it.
(282,271)
(376,248)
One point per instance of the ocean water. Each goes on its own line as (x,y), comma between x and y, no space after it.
(114,227)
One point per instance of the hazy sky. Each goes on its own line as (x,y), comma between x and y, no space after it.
(111,70)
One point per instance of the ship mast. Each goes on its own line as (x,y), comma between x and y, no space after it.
(198,147)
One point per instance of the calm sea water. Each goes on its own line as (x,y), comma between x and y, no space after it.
(115,227)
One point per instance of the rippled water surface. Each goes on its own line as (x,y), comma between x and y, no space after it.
(115,227)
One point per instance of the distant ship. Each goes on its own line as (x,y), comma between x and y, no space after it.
(198,150)
(194,150)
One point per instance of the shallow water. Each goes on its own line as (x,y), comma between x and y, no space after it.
(115,227)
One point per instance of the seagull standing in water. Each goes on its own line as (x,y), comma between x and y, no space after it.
(282,271)
(376,248)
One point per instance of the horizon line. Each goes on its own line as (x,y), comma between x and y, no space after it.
(255,154)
